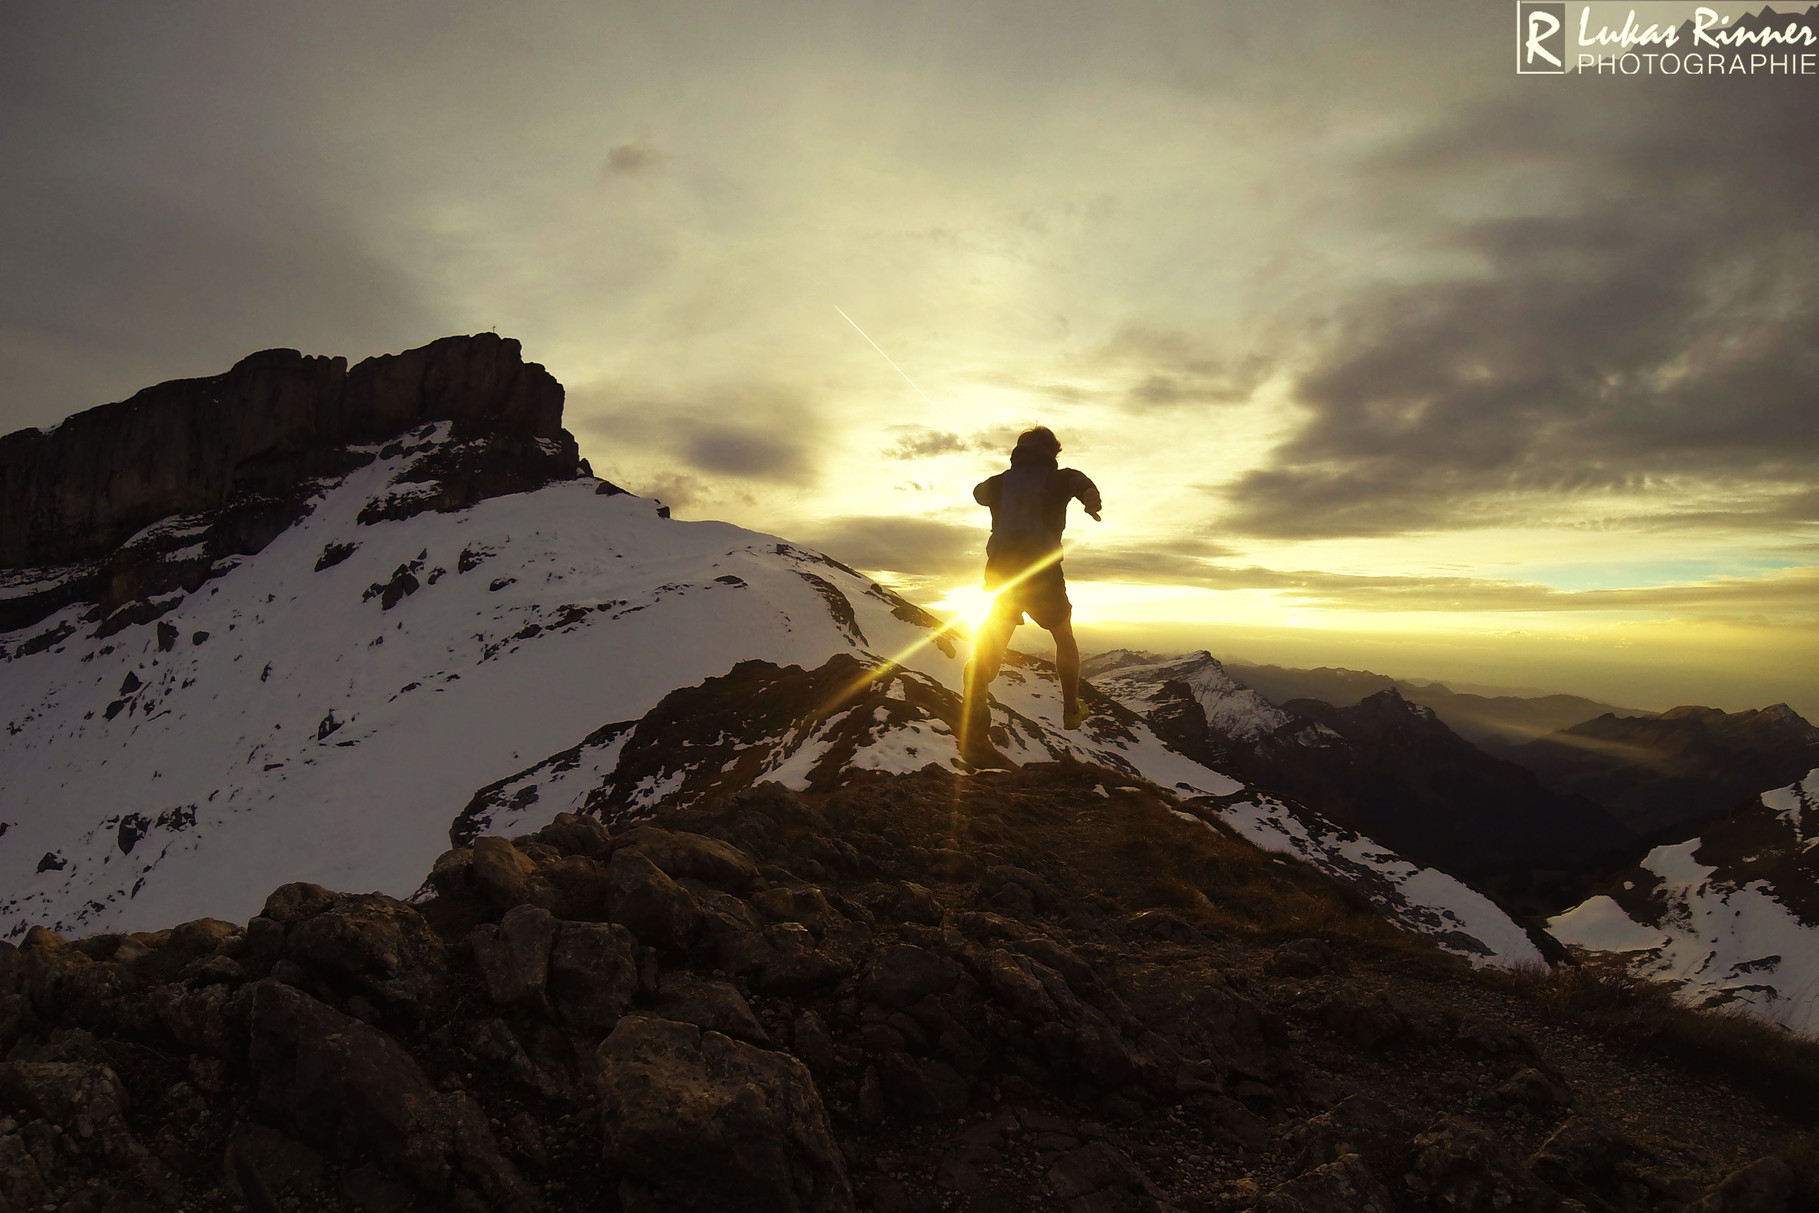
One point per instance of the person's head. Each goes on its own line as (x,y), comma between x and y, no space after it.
(1039,440)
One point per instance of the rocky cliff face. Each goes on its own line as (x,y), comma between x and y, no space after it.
(218,467)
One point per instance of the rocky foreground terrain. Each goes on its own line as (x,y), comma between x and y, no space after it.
(1053,988)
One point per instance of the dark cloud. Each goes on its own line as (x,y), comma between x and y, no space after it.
(1181,561)
(1650,328)
(674,489)
(917,442)
(175,222)
(918,547)
(931,550)
(774,440)
(629,158)
(734,451)
(922,444)
(1170,368)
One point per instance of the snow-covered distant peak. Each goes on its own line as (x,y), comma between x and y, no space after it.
(1140,681)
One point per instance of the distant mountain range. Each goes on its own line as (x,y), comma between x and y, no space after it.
(1492,722)
(1383,764)
(1686,841)
(1677,769)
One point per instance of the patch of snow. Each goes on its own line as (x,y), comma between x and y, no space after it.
(1724,942)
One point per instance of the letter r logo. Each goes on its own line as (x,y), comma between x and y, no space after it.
(1541,38)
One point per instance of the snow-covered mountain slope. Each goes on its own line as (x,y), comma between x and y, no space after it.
(452,630)
(1193,702)
(321,710)
(1732,915)
(1423,900)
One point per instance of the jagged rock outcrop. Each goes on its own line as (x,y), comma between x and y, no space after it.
(907,993)
(219,466)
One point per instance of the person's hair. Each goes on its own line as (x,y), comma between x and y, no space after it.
(1041,438)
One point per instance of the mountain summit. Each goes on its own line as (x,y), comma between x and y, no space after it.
(395,816)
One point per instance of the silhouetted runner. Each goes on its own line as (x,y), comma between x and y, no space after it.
(1023,564)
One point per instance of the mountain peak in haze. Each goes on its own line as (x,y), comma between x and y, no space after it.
(1681,768)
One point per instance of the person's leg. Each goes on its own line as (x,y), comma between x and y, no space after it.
(989,643)
(1049,607)
(1067,664)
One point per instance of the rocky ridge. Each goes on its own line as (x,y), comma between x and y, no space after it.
(1036,990)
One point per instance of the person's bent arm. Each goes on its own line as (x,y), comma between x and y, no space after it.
(1088,492)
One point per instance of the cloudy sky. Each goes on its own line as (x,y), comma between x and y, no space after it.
(1381,354)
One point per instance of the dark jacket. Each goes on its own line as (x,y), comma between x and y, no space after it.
(1029,511)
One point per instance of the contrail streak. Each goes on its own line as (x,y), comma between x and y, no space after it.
(887,358)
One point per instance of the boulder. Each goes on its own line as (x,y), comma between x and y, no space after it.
(1530,1088)
(1764,1186)
(382,946)
(1582,1155)
(906,975)
(593,974)
(911,902)
(1344,1185)
(1364,1016)
(1305,958)
(350,1087)
(1357,1125)
(499,872)
(513,956)
(1011,980)
(712,1124)
(1100,1167)
(679,854)
(1459,1166)
(88,1101)
(656,909)
(922,1086)
(712,1006)
(573,834)
(298,901)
